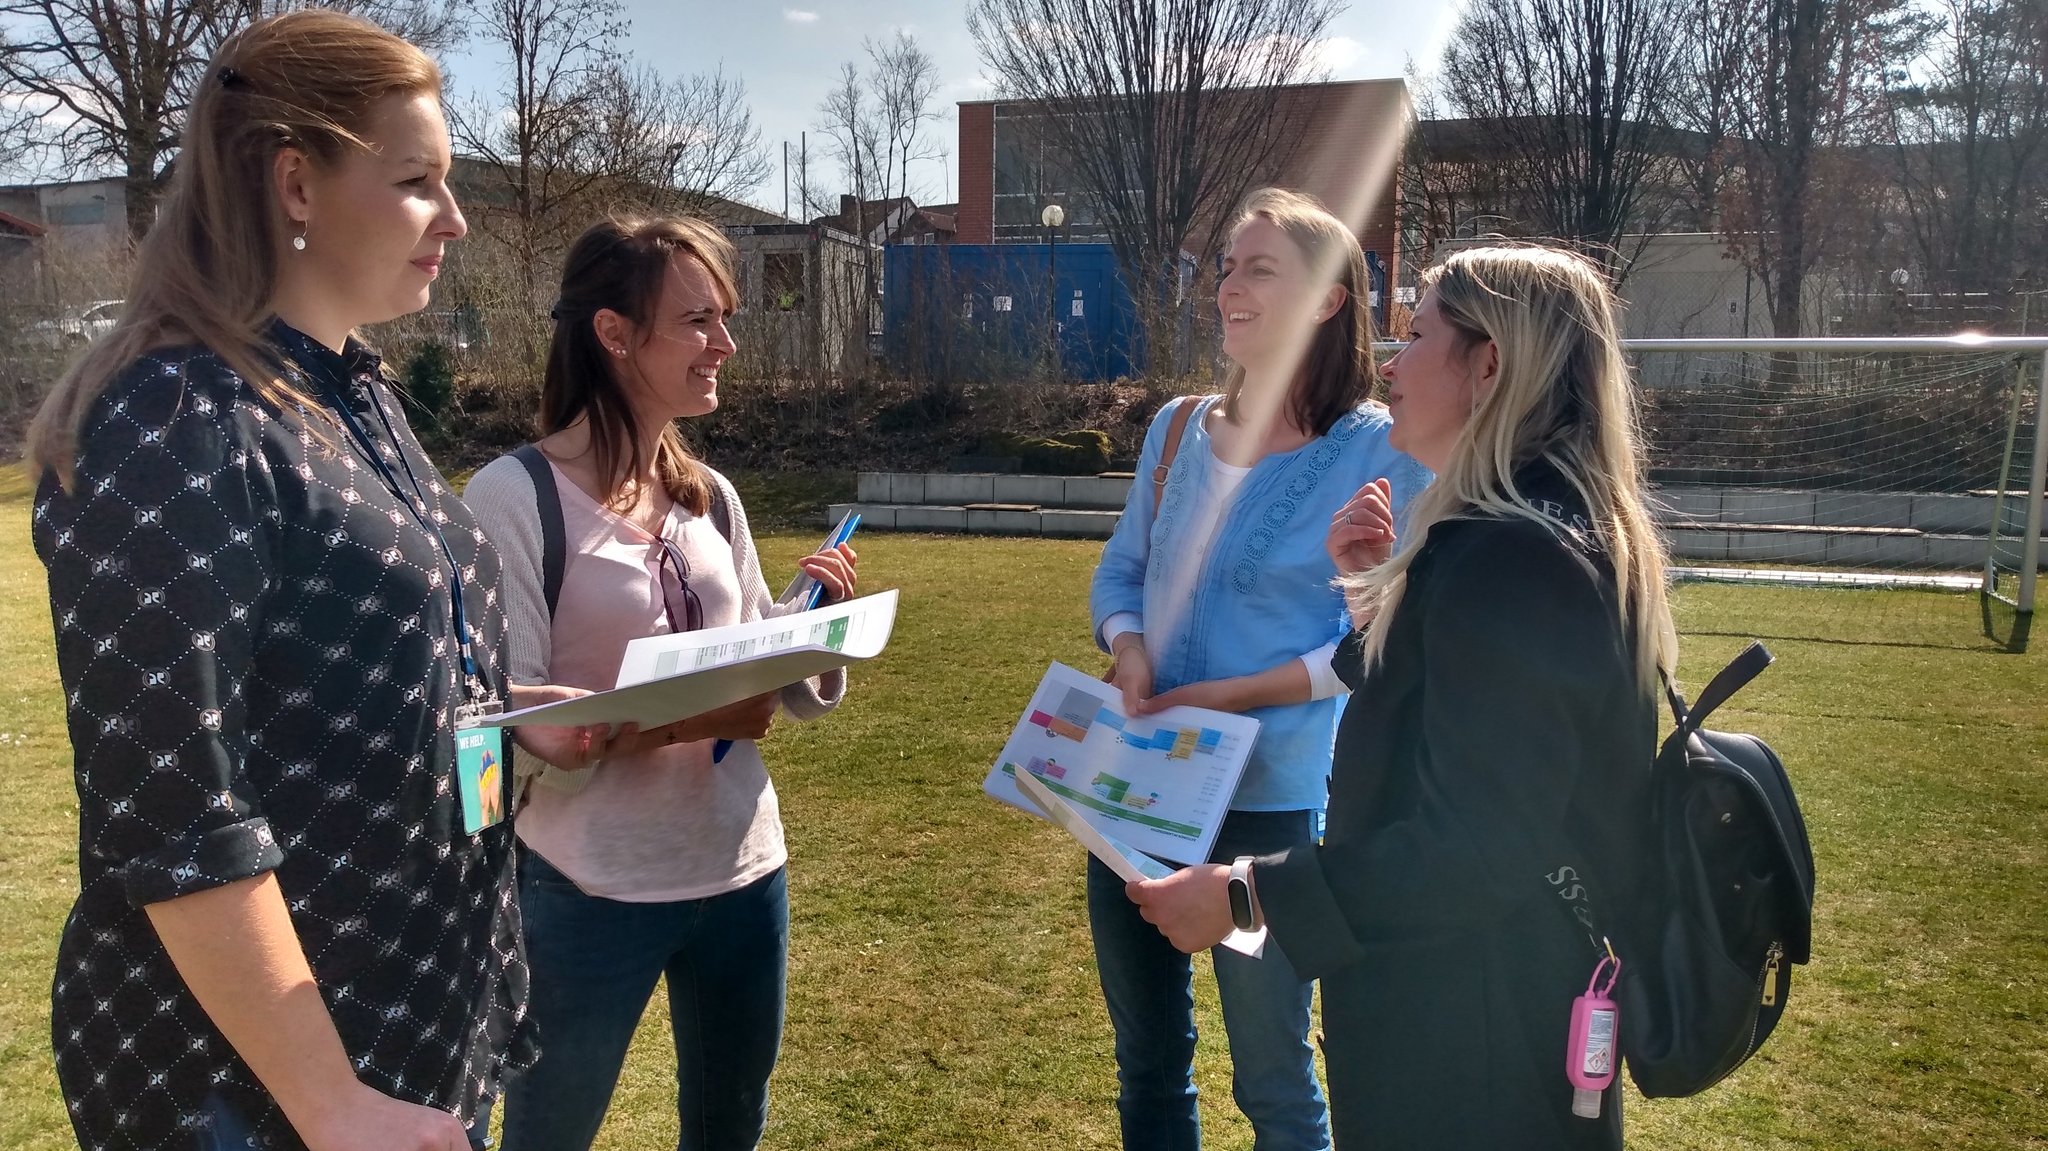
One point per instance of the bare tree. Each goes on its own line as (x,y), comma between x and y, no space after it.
(1970,145)
(1448,185)
(904,79)
(436,26)
(1713,44)
(1166,112)
(872,122)
(539,144)
(107,84)
(1809,80)
(856,133)
(686,144)
(710,143)
(1570,95)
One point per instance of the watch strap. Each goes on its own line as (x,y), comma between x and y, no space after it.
(1243,911)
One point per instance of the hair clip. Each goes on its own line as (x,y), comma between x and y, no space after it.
(229,78)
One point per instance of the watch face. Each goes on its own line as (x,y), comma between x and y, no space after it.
(1240,904)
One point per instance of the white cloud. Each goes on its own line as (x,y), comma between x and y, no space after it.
(798,16)
(1336,53)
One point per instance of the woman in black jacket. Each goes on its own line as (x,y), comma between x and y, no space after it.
(1488,798)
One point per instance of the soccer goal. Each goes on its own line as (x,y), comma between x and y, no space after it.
(1887,462)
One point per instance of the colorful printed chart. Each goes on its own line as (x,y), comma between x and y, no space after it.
(1159,783)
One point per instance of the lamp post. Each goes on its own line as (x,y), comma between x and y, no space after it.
(1052,217)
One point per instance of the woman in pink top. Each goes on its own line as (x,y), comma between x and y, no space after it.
(646,855)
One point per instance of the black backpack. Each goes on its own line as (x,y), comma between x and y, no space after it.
(1726,905)
(554,548)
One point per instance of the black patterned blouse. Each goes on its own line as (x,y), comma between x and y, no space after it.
(261,673)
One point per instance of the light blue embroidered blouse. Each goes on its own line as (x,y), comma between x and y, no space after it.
(1263,594)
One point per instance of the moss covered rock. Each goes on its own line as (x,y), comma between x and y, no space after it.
(1081,453)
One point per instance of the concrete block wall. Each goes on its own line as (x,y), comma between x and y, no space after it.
(1707,525)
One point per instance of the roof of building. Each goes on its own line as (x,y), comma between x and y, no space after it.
(872,212)
(473,179)
(937,221)
(47,184)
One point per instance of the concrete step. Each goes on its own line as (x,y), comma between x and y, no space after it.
(1761,509)
(1833,546)
(1724,543)
(1013,520)
(1923,511)
(958,489)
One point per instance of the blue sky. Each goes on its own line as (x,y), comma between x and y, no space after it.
(789,53)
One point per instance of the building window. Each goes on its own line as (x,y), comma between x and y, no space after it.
(79,212)
(782,280)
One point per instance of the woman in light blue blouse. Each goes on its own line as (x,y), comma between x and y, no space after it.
(1218,594)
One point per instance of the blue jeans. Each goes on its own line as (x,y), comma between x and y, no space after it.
(1149,987)
(595,962)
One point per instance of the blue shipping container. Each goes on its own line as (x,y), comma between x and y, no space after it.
(984,312)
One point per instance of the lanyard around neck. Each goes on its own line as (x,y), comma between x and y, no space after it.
(419,513)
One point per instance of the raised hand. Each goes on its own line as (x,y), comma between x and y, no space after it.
(1361,532)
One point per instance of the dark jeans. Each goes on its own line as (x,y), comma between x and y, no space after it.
(595,962)
(1149,987)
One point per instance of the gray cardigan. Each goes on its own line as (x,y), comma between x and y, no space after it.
(502,497)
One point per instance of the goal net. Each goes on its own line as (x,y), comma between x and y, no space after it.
(1861,462)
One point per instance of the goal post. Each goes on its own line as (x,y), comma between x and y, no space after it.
(2037,494)
(1900,462)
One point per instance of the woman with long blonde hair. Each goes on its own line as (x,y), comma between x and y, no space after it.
(1491,768)
(296,923)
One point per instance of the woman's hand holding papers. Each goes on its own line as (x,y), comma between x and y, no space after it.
(576,748)
(569,748)
(834,568)
(1191,907)
(1131,671)
(747,719)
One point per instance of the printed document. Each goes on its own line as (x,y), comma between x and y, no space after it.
(665,678)
(1158,783)
(1130,864)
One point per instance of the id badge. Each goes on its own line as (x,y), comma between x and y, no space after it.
(480,768)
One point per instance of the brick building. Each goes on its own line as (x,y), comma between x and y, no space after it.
(1346,151)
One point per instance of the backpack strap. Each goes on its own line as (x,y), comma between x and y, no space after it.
(1175,428)
(554,548)
(1744,667)
(721,516)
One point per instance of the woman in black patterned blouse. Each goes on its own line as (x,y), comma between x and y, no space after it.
(271,615)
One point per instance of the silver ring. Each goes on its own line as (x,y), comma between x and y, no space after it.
(1347,518)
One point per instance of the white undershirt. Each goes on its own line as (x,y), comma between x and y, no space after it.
(1205,519)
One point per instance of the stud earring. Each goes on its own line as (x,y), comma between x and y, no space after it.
(618,351)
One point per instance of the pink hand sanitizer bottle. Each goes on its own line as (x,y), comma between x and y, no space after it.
(1594,1048)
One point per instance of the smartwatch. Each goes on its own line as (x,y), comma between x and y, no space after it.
(1243,912)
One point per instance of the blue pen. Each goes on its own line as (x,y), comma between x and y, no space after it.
(844,533)
(817,593)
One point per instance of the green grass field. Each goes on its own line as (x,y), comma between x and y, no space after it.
(941,986)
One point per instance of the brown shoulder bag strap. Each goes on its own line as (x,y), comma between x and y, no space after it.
(1182,409)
